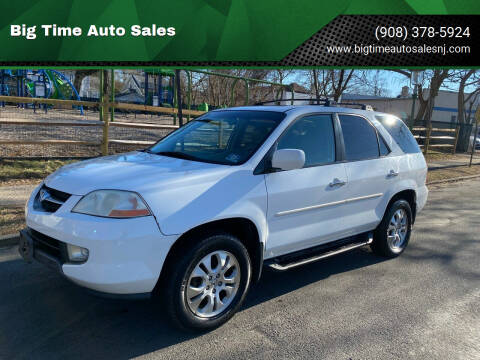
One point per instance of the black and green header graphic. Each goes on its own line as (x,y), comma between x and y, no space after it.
(241,32)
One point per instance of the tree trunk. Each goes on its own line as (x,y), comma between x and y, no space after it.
(436,82)
(79,76)
(315,85)
(465,130)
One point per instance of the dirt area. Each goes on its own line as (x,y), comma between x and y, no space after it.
(23,132)
(440,156)
(12,220)
(455,172)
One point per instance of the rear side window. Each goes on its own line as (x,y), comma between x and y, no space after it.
(400,133)
(314,135)
(384,150)
(360,138)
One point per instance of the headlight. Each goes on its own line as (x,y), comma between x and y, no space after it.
(112,203)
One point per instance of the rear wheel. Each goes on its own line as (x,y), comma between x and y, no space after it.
(392,235)
(208,283)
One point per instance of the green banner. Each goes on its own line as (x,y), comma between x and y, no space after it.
(181,30)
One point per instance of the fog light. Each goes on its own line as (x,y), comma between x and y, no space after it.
(77,253)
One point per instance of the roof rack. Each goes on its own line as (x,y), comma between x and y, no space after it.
(313,101)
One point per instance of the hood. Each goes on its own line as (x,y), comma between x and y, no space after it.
(135,171)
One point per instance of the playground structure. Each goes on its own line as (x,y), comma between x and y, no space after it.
(170,95)
(165,86)
(48,84)
(166,91)
(77,127)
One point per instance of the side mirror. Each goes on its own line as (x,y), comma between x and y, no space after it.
(288,159)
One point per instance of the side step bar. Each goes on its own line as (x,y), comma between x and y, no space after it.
(332,251)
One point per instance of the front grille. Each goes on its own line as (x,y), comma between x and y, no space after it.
(49,199)
(49,245)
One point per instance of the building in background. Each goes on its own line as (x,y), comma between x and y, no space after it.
(444,110)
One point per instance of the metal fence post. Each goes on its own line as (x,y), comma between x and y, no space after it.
(104,114)
(101,95)
(189,91)
(112,95)
(175,97)
(179,97)
(232,92)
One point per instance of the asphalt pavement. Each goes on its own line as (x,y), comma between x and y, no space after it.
(422,305)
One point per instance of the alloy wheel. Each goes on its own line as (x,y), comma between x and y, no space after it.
(212,284)
(397,230)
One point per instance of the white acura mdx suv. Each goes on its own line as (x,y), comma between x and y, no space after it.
(192,220)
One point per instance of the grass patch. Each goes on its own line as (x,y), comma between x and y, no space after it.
(18,170)
(12,220)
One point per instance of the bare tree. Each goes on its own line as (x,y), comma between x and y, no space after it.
(330,83)
(80,75)
(371,82)
(315,85)
(434,79)
(466,79)
(340,80)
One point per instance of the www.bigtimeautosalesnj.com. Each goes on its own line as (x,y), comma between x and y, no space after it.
(53,30)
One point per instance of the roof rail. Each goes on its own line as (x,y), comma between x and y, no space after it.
(313,101)
(362,106)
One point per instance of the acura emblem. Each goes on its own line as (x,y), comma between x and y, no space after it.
(44,194)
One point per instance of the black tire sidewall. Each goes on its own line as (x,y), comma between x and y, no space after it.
(380,244)
(206,246)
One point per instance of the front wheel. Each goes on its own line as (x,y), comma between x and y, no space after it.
(208,283)
(392,235)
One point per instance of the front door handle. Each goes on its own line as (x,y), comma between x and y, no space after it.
(337,182)
(392,173)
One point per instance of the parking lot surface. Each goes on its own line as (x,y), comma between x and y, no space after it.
(422,305)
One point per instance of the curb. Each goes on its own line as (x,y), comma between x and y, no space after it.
(453,179)
(9,240)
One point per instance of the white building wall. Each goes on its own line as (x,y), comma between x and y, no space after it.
(445,108)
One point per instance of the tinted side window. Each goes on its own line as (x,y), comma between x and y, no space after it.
(400,133)
(360,138)
(314,135)
(384,150)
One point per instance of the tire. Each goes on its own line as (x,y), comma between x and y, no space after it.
(392,235)
(189,291)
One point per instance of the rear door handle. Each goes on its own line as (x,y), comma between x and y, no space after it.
(392,173)
(337,182)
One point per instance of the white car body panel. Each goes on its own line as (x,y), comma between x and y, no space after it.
(302,212)
(292,210)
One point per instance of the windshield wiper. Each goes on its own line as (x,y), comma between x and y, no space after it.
(176,154)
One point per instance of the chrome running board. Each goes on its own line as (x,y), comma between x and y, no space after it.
(325,254)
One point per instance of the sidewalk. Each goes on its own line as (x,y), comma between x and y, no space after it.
(15,195)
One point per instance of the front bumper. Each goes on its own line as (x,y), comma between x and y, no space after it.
(125,255)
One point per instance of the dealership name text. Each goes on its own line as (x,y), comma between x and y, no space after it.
(53,30)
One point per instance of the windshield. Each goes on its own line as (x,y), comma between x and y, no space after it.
(221,137)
